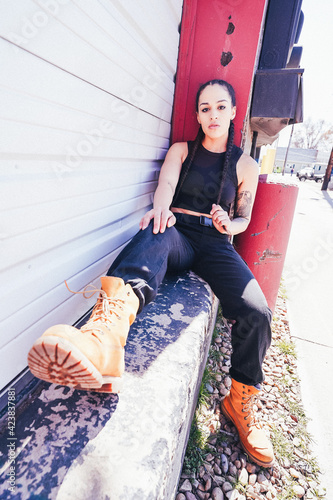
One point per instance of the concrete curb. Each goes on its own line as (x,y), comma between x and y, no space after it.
(78,445)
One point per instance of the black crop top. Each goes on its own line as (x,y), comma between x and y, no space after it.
(201,186)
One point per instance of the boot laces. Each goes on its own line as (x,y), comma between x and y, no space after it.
(248,408)
(104,308)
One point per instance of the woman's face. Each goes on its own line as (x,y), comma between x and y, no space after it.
(215,110)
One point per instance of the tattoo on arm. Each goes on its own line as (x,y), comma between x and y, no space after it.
(243,204)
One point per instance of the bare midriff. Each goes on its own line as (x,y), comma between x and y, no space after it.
(188,212)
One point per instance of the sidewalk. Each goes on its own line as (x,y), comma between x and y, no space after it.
(309,279)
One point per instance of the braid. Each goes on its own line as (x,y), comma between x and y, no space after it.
(230,144)
(188,162)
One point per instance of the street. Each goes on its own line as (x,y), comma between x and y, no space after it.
(308,279)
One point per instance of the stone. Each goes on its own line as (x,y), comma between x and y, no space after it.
(201,494)
(186,486)
(226,487)
(242,458)
(223,390)
(218,480)
(217,470)
(180,496)
(243,477)
(253,494)
(232,470)
(285,462)
(297,442)
(208,467)
(224,463)
(209,388)
(217,494)
(190,496)
(227,382)
(208,484)
(252,479)
(251,468)
(232,495)
(298,490)
(294,473)
(263,481)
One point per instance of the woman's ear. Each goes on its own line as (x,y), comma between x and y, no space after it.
(198,118)
(233,112)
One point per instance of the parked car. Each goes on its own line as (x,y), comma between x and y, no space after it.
(309,173)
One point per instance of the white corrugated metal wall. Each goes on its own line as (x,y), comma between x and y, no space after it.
(86,91)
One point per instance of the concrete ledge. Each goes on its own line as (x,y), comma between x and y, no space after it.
(77,445)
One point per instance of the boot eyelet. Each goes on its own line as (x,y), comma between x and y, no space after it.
(128,294)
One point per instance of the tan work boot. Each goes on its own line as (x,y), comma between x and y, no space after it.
(91,358)
(237,406)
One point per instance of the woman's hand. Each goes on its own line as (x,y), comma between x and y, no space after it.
(163,218)
(220,218)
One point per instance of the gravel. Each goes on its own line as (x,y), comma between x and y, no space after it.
(226,472)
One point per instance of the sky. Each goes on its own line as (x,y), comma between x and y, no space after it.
(317,42)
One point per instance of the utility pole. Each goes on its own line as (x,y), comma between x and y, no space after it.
(328,172)
(286,157)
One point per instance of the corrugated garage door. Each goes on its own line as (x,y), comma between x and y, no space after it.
(86,90)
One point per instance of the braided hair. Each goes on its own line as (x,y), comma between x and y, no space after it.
(198,140)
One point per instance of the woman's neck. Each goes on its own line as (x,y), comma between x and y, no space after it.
(215,145)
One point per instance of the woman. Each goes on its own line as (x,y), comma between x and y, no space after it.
(201,184)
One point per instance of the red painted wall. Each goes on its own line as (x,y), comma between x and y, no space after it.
(210,28)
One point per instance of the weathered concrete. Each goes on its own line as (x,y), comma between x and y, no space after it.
(78,445)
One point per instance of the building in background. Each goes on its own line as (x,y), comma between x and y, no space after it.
(301,158)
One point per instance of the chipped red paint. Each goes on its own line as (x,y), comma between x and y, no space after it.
(264,244)
(213,31)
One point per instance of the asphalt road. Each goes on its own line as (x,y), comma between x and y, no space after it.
(308,278)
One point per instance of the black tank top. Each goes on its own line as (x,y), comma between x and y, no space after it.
(201,186)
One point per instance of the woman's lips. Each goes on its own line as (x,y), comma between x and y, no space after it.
(215,125)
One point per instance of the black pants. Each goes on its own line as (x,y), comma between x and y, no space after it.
(189,245)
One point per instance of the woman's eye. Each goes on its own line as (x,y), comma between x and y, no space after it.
(221,107)
(204,110)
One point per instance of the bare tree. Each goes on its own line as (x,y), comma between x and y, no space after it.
(313,135)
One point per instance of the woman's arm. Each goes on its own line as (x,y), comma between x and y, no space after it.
(165,190)
(247,174)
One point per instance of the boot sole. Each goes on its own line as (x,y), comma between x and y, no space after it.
(254,459)
(58,361)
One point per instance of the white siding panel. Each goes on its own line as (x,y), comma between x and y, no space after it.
(107,58)
(86,94)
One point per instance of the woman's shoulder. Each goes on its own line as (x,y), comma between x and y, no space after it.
(179,149)
(246,166)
